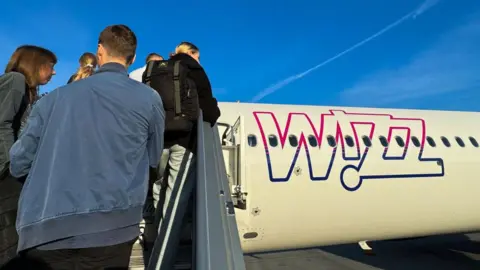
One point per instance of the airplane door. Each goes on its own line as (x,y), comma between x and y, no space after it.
(233,154)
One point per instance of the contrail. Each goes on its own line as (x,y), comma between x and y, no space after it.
(411,15)
(424,7)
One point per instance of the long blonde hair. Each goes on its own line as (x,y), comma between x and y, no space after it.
(88,63)
(187,48)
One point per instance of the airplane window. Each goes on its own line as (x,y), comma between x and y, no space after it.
(349,140)
(431,142)
(367,141)
(293,140)
(383,141)
(331,141)
(400,141)
(312,140)
(415,141)
(445,141)
(460,141)
(252,140)
(272,140)
(473,141)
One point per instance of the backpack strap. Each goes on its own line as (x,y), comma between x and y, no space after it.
(176,85)
(146,75)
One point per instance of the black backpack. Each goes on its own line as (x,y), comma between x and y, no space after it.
(178,92)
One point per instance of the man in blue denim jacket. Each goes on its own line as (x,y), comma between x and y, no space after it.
(87,148)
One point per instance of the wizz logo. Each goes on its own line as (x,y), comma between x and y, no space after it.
(356,167)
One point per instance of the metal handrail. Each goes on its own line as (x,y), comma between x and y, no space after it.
(217,243)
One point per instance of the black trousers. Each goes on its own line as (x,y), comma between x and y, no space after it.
(109,257)
(10,189)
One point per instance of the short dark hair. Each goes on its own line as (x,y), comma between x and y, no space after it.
(120,41)
(150,56)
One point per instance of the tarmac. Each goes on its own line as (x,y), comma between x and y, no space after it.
(456,252)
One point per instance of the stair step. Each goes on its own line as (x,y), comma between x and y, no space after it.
(184,256)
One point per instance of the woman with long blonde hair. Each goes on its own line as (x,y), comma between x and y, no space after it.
(187,48)
(88,64)
(180,145)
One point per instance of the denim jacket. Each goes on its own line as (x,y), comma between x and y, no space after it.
(87,148)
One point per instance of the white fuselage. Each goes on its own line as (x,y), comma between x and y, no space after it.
(310,177)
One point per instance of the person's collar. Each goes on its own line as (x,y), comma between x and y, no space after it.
(114,67)
(186,59)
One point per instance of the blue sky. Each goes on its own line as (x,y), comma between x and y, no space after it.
(427,61)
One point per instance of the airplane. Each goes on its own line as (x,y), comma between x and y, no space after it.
(308,176)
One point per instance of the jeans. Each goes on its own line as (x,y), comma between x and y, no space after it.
(171,196)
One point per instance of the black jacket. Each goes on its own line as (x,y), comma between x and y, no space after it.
(70,80)
(208,104)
